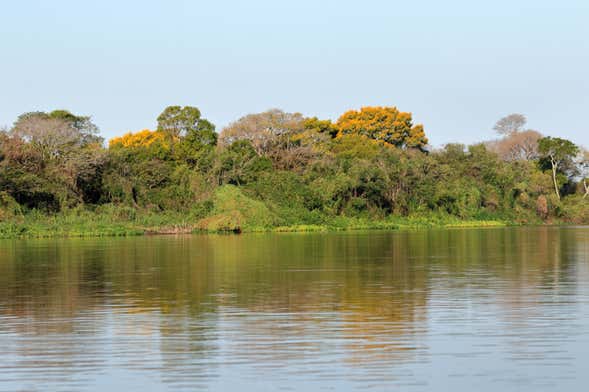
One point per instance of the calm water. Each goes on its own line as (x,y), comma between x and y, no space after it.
(484,309)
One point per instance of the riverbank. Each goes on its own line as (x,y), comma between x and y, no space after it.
(82,223)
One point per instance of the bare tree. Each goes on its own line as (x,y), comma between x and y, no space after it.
(510,124)
(264,130)
(517,146)
(59,146)
(50,137)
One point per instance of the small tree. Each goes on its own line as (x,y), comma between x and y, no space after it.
(559,153)
(542,207)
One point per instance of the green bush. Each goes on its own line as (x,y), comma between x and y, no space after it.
(234,211)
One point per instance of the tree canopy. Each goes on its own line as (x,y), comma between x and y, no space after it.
(559,154)
(265,131)
(177,122)
(510,124)
(288,169)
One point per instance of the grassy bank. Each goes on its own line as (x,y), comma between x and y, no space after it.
(83,223)
(111,221)
(228,210)
(393,223)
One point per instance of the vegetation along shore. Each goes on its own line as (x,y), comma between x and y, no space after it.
(279,171)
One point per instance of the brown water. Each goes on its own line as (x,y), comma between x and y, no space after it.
(485,309)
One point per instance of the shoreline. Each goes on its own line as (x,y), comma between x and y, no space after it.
(34,230)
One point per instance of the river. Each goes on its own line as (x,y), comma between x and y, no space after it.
(433,310)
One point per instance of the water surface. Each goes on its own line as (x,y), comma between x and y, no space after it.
(487,309)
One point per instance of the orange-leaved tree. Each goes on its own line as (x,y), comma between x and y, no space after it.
(384,124)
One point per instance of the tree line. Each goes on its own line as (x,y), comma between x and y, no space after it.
(371,163)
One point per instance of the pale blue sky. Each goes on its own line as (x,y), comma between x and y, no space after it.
(458,65)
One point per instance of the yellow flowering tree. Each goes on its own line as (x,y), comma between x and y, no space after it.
(144,138)
(383,124)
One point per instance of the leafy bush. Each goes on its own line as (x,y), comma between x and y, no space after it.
(234,211)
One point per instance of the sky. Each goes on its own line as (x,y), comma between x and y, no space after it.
(457,65)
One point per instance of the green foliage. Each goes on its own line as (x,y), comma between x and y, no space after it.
(557,149)
(315,125)
(176,121)
(575,209)
(239,164)
(9,208)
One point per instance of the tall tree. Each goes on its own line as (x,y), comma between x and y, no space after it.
(59,155)
(510,124)
(178,122)
(185,125)
(56,134)
(559,153)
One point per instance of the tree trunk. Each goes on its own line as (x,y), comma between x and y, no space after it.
(586,186)
(554,168)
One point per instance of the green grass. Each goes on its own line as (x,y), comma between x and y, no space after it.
(301,229)
(104,221)
(67,226)
(230,211)
(96,225)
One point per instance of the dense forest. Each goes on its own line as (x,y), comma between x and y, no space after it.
(372,168)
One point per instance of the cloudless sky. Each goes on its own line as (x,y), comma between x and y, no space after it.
(457,65)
